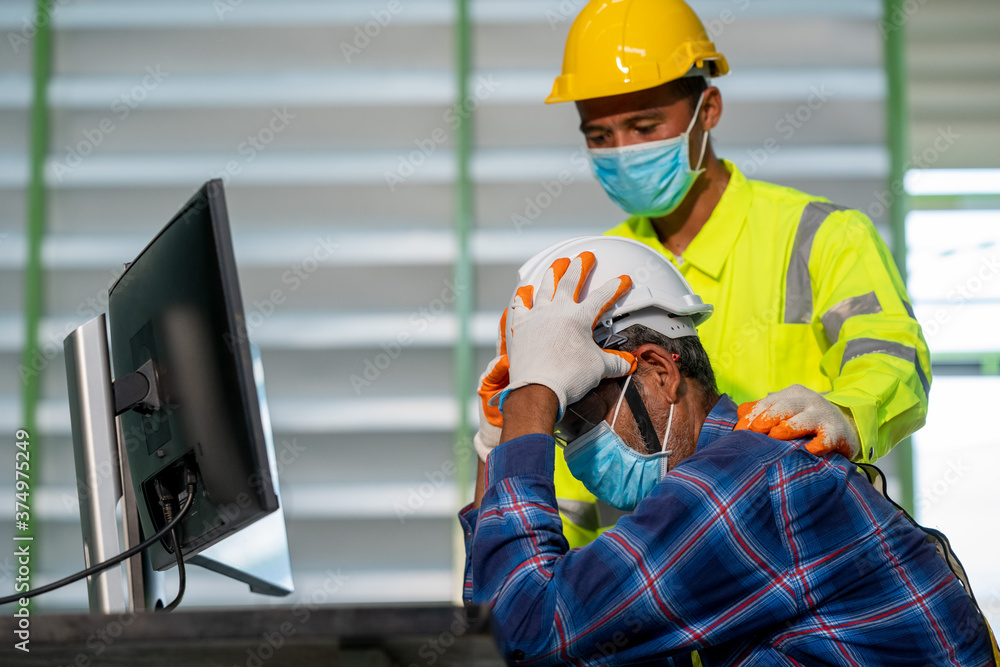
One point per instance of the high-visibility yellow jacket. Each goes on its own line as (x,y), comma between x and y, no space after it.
(805,292)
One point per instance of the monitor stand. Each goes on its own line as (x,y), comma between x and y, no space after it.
(256,555)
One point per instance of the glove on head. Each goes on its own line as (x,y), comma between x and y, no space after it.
(550,334)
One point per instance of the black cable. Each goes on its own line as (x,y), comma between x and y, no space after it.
(100,567)
(182,579)
(167,502)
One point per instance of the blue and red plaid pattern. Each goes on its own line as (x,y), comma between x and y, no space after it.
(751,551)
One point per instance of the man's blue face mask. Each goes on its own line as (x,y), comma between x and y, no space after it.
(649,179)
(610,469)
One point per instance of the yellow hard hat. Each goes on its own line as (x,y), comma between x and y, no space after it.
(621,46)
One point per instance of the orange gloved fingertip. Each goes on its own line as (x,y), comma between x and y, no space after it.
(743,414)
(588,261)
(503,332)
(766,423)
(527,295)
(782,431)
(819,449)
(624,287)
(744,409)
(559,268)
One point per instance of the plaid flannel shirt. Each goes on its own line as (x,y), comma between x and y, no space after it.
(751,551)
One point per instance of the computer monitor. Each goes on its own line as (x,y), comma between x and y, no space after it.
(176,321)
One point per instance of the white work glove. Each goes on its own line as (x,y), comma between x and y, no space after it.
(550,336)
(796,412)
(491,382)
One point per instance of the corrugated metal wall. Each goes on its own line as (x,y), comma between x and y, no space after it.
(339,155)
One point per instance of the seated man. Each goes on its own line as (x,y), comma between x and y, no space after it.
(748,549)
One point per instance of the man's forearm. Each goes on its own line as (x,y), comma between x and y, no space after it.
(480,484)
(528,410)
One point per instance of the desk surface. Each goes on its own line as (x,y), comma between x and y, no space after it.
(369,636)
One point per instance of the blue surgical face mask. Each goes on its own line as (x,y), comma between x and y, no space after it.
(649,179)
(613,471)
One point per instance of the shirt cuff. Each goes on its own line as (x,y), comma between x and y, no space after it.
(533,454)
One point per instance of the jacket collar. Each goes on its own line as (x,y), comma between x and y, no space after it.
(712,246)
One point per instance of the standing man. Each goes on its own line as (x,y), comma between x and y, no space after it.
(813,317)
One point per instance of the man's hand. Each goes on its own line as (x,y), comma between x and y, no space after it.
(796,412)
(550,335)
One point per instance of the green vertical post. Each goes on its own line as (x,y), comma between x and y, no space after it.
(30,370)
(463,275)
(898,134)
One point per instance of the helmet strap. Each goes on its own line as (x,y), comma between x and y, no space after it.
(640,415)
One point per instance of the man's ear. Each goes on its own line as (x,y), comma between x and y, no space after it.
(660,371)
(711,108)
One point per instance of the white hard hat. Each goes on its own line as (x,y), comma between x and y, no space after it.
(661,298)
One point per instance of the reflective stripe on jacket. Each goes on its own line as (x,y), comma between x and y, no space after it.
(805,292)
